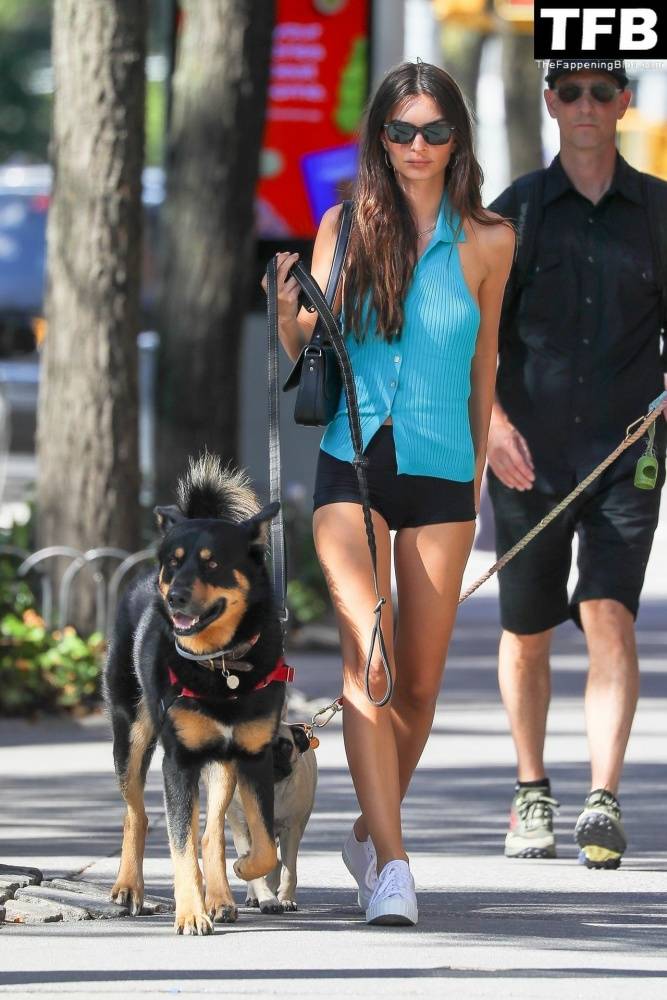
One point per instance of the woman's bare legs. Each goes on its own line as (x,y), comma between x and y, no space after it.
(370,743)
(383,747)
(429,565)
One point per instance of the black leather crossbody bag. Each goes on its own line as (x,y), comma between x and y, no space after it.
(316,371)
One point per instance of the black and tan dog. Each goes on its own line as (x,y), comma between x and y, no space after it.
(195,661)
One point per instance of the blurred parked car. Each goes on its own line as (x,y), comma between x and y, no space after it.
(24,201)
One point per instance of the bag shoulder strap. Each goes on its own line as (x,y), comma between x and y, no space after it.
(337,263)
(655,199)
(526,196)
(340,253)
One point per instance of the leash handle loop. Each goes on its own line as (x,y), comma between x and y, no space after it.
(378,636)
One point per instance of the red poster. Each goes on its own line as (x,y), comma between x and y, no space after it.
(318,87)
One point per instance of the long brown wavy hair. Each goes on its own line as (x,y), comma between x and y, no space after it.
(383,243)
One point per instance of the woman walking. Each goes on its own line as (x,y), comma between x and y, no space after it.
(421,297)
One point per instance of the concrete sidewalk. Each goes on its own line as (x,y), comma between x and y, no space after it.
(488,927)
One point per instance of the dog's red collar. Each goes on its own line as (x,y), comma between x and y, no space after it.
(281,672)
(185,692)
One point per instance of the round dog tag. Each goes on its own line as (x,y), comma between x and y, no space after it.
(232,681)
(314,742)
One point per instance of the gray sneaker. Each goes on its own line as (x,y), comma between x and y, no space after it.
(531,830)
(599,831)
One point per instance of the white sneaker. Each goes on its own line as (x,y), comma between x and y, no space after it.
(361,862)
(394,900)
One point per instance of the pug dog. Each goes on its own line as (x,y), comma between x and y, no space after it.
(295,781)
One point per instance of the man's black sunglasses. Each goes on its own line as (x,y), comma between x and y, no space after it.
(603,93)
(434,133)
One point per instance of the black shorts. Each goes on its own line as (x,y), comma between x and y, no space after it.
(404,501)
(615,523)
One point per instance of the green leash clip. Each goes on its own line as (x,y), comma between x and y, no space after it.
(646,472)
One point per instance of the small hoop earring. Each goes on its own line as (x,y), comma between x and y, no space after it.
(387,160)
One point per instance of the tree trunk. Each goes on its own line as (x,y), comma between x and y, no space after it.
(217,121)
(87,421)
(523,103)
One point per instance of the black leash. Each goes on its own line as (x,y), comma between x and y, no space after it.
(317,300)
(277,530)
(277,524)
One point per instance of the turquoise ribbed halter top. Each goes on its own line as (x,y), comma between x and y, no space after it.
(421,380)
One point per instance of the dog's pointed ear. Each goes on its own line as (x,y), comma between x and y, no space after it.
(258,526)
(167,517)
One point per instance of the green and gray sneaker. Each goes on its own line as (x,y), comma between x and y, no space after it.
(531,832)
(599,832)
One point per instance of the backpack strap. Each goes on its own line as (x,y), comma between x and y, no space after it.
(656,209)
(529,192)
(525,211)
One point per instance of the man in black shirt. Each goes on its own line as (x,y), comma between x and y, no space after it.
(580,359)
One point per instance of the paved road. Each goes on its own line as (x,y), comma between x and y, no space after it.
(489,927)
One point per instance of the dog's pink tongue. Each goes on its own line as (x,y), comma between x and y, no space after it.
(182,621)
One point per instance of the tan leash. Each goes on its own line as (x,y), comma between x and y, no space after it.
(655,409)
(641,425)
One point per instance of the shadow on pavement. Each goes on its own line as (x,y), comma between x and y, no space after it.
(448,811)
(79,976)
(456,814)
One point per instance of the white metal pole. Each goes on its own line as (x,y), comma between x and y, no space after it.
(421,32)
(387,41)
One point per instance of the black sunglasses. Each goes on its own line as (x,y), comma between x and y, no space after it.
(434,133)
(603,93)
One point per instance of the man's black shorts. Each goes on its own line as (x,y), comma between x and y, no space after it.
(615,523)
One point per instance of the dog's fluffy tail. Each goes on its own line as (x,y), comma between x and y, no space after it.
(208,490)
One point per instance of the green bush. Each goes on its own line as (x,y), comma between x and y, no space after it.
(15,594)
(42,670)
(305,602)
